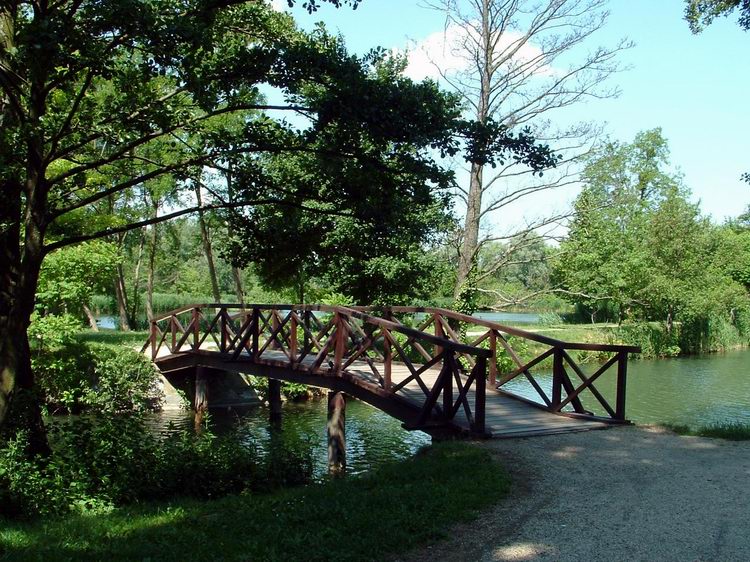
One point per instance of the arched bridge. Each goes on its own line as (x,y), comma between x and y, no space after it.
(435,370)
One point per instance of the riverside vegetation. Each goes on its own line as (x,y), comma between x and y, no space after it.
(143,171)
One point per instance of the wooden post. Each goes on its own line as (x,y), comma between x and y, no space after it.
(336,433)
(274,400)
(201,391)
(387,360)
(153,339)
(480,395)
(224,335)
(438,333)
(293,337)
(306,337)
(196,327)
(255,327)
(274,331)
(173,329)
(340,342)
(448,384)
(622,375)
(557,377)
(493,358)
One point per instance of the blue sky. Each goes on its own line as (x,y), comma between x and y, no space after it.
(696,87)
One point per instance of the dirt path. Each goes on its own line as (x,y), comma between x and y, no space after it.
(619,494)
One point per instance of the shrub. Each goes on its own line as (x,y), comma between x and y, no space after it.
(123,380)
(109,460)
(652,337)
(77,377)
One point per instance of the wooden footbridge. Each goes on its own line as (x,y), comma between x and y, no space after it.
(413,363)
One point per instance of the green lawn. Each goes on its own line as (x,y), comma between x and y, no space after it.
(386,512)
(115,337)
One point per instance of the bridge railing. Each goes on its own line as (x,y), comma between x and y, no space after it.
(447,376)
(531,367)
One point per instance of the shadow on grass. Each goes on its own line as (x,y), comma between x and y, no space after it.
(397,507)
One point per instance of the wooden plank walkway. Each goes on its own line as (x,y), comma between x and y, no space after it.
(506,416)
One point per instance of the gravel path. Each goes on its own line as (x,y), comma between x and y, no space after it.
(629,493)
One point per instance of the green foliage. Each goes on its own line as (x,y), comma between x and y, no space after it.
(99,462)
(700,13)
(652,337)
(77,376)
(370,517)
(549,319)
(290,390)
(52,331)
(71,276)
(639,251)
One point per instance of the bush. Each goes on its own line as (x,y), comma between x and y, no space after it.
(652,337)
(109,460)
(77,377)
(290,390)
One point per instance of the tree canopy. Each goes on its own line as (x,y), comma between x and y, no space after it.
(700,13)
(639,249)
(109,108)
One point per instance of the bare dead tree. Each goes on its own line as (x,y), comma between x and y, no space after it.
(517,63)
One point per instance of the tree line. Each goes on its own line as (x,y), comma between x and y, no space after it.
(140,144)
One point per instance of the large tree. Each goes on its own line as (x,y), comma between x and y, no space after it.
(640,249)
(97,99)
(518,63)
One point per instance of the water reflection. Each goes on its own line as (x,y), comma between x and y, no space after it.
(372,437)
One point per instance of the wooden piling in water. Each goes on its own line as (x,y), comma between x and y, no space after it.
(201,390)
(274,400)
(336,432)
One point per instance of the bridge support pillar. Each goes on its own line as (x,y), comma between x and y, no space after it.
(336,432)
(274,400)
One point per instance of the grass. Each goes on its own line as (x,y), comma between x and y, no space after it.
(397,507)
(115,337)
(732,431)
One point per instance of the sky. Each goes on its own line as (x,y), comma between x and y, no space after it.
(695,87)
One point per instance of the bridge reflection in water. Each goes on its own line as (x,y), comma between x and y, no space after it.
(435,370)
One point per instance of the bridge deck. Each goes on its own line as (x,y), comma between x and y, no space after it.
(505,416)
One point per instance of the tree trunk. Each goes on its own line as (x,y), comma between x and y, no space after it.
(91,318)
(471,229)
(121,297)
(19,274)
(151,261)
(137,278)
(237,275)
(205,236)
(470,244)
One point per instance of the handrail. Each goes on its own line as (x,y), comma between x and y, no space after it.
(412,309)
(506,329)
(274,327)
(351,311)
